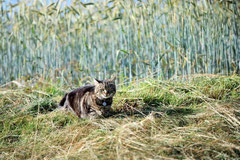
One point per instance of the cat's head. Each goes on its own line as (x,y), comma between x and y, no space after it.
(105,89)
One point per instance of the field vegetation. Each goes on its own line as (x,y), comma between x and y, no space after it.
(130,38)
(177,64)
(151,119)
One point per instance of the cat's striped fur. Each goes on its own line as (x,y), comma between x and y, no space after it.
(90,101)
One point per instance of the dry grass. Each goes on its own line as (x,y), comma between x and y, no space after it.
(198,119)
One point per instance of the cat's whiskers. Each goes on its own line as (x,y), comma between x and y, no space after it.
(105,97)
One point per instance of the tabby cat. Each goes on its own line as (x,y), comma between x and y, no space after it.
(90,101)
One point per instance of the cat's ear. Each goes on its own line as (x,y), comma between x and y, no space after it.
(113,79)
(96,81)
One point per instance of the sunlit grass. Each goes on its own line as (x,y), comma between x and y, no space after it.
(198,119)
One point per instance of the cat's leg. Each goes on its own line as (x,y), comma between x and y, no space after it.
(83,110)
(84,116)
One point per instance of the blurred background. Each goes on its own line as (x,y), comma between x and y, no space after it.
(68,41)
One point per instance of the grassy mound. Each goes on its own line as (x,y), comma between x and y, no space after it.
(150,120)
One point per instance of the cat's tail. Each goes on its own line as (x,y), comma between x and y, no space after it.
(61,104)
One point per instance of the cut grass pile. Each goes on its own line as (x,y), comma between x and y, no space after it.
(152,119)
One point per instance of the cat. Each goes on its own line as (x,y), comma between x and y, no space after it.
(91,101)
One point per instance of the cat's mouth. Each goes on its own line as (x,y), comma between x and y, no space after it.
(106,96)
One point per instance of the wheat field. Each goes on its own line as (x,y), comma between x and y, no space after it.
(133,39)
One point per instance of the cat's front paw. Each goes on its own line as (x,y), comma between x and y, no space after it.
(93,115)
(107,112)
